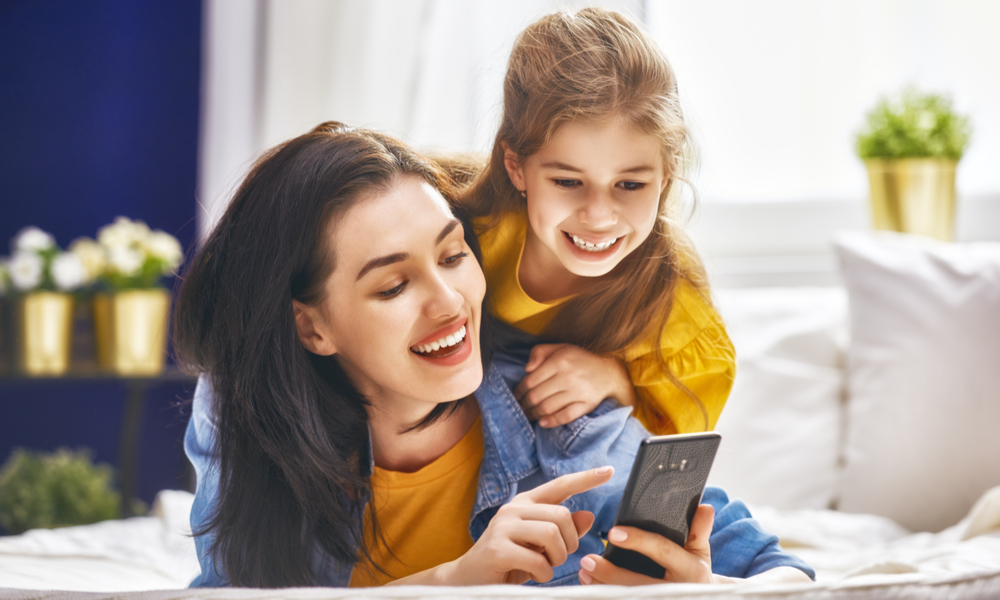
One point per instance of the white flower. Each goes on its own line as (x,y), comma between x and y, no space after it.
(125,260)
(68,271)
(92,255)
(165,247)
(32,239)
(25,270)
(123,232)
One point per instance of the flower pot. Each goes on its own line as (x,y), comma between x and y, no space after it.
(43,325)
(130,330)
(914,195)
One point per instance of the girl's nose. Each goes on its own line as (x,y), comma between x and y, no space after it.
(599,211)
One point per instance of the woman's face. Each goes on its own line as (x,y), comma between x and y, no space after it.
(402,306)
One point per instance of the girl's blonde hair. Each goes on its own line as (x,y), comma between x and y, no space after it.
(596,65)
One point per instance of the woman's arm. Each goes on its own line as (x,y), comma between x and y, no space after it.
(528,537)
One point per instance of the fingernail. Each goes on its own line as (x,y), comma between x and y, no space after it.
(603,470)
(544,422)
(587,563)
(585,578)
(617,535)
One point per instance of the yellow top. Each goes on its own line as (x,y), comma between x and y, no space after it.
(694,341)
(423,517)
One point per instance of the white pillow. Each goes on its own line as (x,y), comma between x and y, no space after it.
(923,424)
(781,428)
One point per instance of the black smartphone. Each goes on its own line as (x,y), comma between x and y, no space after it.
(663,492)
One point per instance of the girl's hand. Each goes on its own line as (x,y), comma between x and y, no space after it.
(529,535)
(565,382)
(690,564)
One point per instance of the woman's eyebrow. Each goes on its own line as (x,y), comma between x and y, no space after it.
(385,261)
(382,261)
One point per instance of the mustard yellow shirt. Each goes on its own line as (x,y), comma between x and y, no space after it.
(694,342)
(423,517)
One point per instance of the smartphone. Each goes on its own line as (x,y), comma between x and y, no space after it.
(663,492)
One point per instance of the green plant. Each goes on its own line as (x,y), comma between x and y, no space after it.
(914,125)
(56,489)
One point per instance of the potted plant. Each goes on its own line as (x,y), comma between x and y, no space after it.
(911,146)
(38,280)
(57,489)
(131,306)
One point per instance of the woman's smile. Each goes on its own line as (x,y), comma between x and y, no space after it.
(445,347)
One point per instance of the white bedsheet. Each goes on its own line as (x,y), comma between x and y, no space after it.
(856,556)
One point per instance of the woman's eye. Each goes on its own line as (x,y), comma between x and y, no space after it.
(393,292)
(632,186)
(454,259)
(566,183)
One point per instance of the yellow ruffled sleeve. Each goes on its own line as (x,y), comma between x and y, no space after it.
(698,353)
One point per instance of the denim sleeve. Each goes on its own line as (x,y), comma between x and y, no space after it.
(740,547)
(199,445)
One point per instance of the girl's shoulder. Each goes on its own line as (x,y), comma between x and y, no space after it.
(692,319)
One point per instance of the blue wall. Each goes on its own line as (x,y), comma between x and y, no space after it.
(99,104)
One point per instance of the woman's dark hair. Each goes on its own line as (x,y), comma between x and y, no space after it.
(292,442)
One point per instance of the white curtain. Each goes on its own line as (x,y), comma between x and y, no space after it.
(777,89)
(430,71)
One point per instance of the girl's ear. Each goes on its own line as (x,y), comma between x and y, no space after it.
(312,331)
(513,165)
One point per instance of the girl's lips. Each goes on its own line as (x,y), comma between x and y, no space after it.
(592,255)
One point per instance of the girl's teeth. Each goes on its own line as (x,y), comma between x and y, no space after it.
(585,245)
(448,340)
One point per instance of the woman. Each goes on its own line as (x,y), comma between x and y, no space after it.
(347,411)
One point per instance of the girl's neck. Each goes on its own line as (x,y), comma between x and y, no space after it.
(542,276)
(394,450)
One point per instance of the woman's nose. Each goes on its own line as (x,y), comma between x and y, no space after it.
(443,299)
(599,211)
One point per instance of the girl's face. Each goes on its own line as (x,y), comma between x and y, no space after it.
(402,306)
(593,194)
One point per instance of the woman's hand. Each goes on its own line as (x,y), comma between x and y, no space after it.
(565,382)
(690,564)
(528,537)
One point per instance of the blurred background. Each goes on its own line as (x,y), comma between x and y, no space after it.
(154,110)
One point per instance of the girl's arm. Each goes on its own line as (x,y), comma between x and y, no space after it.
(565,382)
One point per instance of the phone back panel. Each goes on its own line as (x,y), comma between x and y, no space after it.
(663,492)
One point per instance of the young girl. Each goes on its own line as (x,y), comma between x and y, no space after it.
(578,247)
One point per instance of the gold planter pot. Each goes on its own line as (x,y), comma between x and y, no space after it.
(130,330)
(914,195)
(43,326)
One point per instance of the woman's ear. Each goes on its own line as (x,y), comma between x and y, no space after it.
(512,163)
(313,334)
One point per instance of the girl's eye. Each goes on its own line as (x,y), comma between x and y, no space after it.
(632,186)
(566,183)
(393,292)
(455,258)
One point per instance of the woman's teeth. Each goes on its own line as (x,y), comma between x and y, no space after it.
(584,245)
(448,340)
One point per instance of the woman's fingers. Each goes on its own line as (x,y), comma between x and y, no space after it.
(701,530)
(537,393)
(539,354)
(518,558)
(559,410)
(583,520)
(562,488)
(597,569)
(542,516)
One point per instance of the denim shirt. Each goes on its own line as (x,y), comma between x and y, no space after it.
(517,457)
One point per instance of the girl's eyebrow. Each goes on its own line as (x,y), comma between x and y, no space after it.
(564,167)
(385,261)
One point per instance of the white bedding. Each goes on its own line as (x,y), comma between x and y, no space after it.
(855,556)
